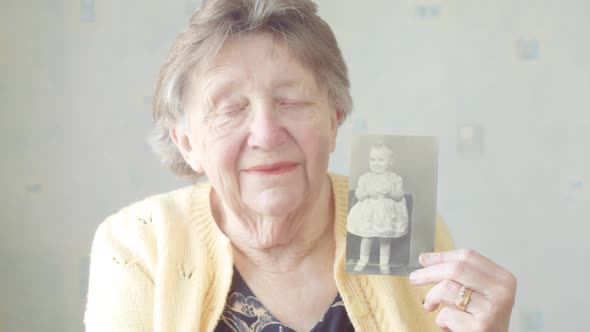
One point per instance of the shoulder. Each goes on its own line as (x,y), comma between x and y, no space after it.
(150,209)
(133,231)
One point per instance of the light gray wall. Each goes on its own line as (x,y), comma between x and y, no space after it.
(75,81)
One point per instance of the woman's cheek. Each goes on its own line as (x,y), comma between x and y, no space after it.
(314,140)
(222,149)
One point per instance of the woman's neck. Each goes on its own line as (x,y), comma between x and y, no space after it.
(278,245)
(293,257)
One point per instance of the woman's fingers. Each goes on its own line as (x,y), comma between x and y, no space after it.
(466,267)
(490,302)
(455,320)
(431,258)
(449,292)
(469,256)
(465,273)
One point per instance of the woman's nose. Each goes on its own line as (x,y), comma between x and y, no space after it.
(266,129)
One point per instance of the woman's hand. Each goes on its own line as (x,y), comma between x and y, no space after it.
(490,304)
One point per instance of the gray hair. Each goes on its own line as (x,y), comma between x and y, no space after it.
(294,22)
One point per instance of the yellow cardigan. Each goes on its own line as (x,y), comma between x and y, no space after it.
(162,264)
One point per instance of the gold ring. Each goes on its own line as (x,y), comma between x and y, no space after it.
(465,295)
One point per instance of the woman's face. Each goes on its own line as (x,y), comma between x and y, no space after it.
(379,160)
(265,131)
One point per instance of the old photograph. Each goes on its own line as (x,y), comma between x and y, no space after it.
(392,203)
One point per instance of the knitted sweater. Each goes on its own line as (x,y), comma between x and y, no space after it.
(162,264)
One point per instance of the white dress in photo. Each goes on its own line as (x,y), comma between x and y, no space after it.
(378,215)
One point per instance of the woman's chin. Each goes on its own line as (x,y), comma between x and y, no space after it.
(275,203)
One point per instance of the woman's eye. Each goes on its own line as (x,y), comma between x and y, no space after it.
(230,109)
(293,103)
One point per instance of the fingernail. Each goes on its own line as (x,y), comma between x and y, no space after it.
(413,276)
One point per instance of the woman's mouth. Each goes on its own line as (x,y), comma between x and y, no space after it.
(273,168)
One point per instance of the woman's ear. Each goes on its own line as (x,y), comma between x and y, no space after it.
(187,148)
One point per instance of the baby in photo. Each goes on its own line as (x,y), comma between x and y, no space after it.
(381,212)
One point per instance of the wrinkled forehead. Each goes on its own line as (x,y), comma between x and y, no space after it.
(259,59)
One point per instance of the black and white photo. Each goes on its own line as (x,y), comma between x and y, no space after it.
(392,203)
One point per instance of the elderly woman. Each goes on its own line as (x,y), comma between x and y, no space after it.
(252,95)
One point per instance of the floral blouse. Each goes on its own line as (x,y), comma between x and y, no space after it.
(244,313)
